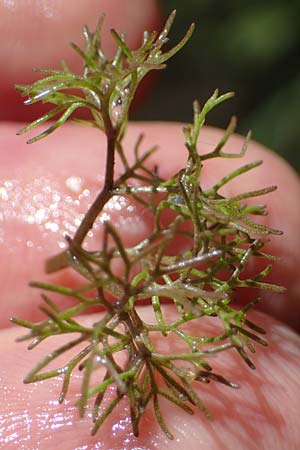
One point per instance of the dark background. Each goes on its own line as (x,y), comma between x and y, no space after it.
(250,47)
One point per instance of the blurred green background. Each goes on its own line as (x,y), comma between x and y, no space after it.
(250,47)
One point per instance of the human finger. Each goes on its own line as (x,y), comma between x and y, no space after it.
(262,414)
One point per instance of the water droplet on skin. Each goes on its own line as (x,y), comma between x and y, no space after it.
(52,226)
(9,4)
(104,217)
(48,212)
(74,184)
(56,198)
(121,425)
(116,203)
(41,215)
(3,194)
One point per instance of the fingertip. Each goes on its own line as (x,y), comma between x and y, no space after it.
(264,409)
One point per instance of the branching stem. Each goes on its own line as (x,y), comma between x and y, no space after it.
(195,255)
(102,198)
(60,261)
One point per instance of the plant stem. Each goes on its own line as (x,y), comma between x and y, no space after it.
(103,196)
(61,260)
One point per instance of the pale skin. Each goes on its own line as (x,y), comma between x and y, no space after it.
(265,412)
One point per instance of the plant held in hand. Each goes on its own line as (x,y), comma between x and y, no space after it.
(118,353)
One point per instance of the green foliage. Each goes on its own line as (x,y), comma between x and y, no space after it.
(252,47)
(107,87)
(220,240)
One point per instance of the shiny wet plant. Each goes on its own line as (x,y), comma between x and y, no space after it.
(118,355)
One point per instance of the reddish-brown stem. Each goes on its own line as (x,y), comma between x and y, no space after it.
(60,261)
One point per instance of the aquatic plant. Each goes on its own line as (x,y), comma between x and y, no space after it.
(118,353)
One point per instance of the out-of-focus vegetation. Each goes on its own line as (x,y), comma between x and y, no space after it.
(251,47)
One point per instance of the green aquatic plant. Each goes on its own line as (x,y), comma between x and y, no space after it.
(118,355)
